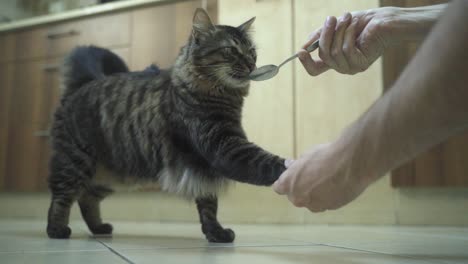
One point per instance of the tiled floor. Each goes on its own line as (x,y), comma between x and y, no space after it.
(25,242)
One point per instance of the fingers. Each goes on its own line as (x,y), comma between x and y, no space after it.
(288,162)
(281,186)
(356,59)
(336,50)
(312,38)
(326,41)
(313,67)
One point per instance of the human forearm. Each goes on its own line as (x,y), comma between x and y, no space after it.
(426,105)
(408,24)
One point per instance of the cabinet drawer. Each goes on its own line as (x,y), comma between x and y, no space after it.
(31,43)
(56,40)
(105,31)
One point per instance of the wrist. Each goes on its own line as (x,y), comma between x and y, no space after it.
(361,146)
(409,24)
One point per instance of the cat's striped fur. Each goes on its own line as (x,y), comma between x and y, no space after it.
(180,128)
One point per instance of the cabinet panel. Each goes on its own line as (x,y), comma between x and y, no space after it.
(7,47)
(443,165)
(56,40)
(31,43)
(157,46)
(326,104)
(33,97)
(159,32)
(268,112)
(24,160)
(105,31)
(6,85)
(28,103)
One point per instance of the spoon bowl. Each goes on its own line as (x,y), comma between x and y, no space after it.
(269,71)
(264,73)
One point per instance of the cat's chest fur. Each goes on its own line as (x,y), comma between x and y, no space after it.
(186,182)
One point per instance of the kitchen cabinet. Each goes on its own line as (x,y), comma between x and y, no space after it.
(159,32)
(30,61)
(7,47)
(268,115)
(29,117)
(6,85)
(328,103)
(445,164)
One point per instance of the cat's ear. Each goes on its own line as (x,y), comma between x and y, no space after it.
(246,25)
(202,23)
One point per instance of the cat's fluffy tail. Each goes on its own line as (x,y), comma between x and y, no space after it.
(87,63)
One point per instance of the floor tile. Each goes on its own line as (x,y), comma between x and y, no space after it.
(259,255)
(26,242)
(155,235)
(61,258)
(30,236)
(444,245)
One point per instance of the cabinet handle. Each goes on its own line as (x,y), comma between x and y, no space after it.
(42,133)
(51,67)
(67,33)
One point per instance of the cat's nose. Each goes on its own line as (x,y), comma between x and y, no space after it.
(251,67)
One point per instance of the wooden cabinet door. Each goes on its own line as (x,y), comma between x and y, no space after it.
(7,47)
(268,113)
(445,165)
(6,86)
(159,32)
(32,98)
(326,104)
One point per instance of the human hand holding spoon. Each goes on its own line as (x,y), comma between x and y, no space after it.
(269,71)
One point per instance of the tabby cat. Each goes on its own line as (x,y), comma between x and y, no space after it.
(179,128)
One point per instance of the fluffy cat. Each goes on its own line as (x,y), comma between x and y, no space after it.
(179,128)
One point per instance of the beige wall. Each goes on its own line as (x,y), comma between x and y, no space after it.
(287,115)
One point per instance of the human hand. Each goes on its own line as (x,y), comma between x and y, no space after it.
(324,178)
(351,43)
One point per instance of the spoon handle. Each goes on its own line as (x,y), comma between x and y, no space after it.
(313,46)
(309,49)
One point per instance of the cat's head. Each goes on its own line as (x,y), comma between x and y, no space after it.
(222,54)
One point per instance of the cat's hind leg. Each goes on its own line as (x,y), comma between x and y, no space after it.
(207,209)
(89,207)
(70,172)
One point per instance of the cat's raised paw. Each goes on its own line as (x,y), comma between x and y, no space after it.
(58,231)
(102,229)
(221,236)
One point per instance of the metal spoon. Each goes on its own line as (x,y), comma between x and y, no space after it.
(269,71)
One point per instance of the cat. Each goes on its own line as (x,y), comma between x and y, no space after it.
(178,127)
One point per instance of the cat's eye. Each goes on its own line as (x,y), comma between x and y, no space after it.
(231,50)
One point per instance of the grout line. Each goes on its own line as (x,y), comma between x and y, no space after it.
(363,250)
(51,251)
(226,246)
(380,252)
(116,252)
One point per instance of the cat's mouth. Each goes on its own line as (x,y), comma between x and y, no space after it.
(240,75)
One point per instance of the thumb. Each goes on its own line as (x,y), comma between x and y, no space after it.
(279,187)
(288,162)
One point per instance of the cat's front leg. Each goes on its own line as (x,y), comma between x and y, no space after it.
(228,151)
